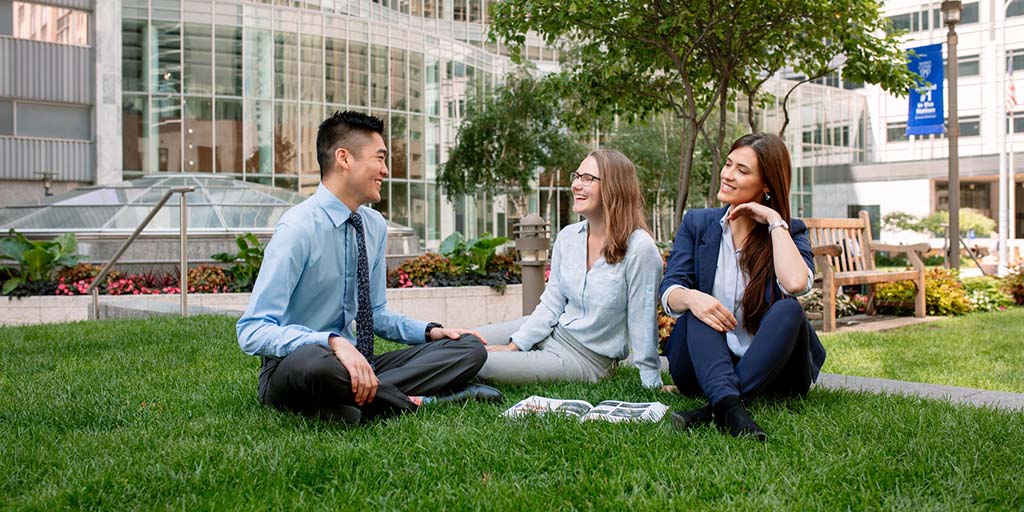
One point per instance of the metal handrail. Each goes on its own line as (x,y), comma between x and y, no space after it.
(183,231)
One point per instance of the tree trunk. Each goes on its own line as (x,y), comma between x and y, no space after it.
(751,117)
(716,151)
(686,146)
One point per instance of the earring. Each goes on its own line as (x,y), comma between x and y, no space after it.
(767,197)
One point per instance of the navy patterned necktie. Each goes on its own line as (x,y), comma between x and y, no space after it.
(364,315)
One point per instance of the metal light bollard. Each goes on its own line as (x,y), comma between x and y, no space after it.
(533,242)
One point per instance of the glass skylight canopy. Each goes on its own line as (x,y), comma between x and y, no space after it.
(218,204)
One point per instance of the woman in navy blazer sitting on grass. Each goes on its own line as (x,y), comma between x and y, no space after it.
(730,280)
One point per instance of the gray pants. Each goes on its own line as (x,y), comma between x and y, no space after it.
(557,357)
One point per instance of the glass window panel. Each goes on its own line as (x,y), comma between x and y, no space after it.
(379,76)
(335,70)
(165,50)
(433,86)
(9,215)
(229,136)
(358,77)
(459,10)
(970,126)
(45,23)
(53,121)
(169,10)
(168,218)
(75,217)
(382,205)
(7,17)
(133,47)
(415,82)
(259,63)
(152,196)
(286,65)
(259,137)
(399,146)
(198,60)
(312,116)
(228,74)
(433,212)
(6,117)
(286,137)
(474,11)
(565,214)
(1016,8)
(969,14)
(398,79)
(134,132)
(418,209)
(969,66)
(417,161)
(165,120)
(249,217)
(432,143)
(400,202)
(1017,59)
(198,135)
(312,68)
(1018,123)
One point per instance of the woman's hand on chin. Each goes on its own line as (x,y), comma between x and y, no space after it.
(756,211)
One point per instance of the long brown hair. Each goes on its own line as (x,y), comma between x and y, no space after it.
(622,203)
(756,259)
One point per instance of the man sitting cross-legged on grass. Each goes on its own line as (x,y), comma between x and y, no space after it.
(323,270)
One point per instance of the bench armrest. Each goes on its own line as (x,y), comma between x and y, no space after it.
(827,250)
(919,248)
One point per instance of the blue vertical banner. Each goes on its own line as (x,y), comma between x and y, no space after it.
(926,112)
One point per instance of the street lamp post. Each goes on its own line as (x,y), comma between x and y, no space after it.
(533,243)
(951,10)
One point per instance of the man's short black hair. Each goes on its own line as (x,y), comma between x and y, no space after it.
(341,130)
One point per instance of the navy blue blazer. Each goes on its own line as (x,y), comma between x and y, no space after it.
(694,260)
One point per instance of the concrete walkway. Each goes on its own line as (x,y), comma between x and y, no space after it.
(956,395)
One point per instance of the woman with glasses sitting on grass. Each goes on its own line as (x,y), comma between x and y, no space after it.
(731,279)
(601,296)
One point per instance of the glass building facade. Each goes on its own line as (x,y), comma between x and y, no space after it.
(239,88)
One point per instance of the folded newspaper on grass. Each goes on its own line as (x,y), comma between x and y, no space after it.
(608,410)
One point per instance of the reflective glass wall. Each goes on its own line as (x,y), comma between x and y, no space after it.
(240,88)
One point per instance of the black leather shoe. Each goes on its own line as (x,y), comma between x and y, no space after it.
(685,420)
(733,417)
(478,392)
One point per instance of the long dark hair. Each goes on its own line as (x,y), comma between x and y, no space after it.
(756,260)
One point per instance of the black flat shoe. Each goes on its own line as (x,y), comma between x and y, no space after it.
(478,392)
(731,416)
(685,420)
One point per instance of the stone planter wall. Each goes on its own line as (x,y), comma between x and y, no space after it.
(467,306)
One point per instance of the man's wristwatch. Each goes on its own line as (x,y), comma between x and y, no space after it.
(777,224)
(431,326)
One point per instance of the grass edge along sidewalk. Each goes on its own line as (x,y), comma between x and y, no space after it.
(162,413)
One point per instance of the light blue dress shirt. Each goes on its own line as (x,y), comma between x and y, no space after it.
(306,289)
(609,309)
(730,282)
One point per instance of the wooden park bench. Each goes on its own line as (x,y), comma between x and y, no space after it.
(844,254)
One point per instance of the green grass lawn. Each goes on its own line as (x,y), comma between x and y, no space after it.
(981,350)
(162,414)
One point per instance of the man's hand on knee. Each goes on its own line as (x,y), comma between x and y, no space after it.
(440,333)
(364,381)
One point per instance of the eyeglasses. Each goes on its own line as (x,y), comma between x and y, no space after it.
(586,179)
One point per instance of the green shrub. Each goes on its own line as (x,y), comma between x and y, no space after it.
(1014,285)
(37,262)
(986,293)
(472,255)
(419,271)
(247,262)
(207,279)
(944,295)
(846,305)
